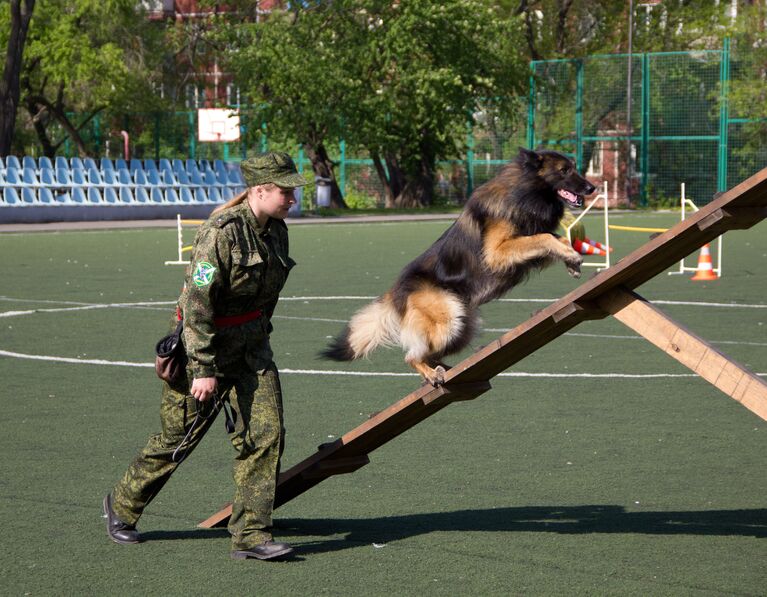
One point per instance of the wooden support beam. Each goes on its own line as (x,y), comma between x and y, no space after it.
(692,351)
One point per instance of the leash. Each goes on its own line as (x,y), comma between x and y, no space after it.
(219,403)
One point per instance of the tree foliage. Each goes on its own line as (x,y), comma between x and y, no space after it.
(399,80)
(83,56)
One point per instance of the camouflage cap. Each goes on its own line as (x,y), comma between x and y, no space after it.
(275,167)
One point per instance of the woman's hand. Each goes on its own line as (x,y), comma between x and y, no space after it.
(203,388)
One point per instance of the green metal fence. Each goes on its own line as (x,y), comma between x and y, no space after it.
(682,130)
(673,126)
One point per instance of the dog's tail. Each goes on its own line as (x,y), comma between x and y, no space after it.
(377,324)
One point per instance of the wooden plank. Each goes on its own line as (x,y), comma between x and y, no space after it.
(740,207)
(689,349)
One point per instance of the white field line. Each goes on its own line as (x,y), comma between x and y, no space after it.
(18,355)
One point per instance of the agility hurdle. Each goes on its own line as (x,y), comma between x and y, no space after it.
(609,292)
(603,195)
(180,240)
(685,203)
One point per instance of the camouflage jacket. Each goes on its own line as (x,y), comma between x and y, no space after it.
(237,267)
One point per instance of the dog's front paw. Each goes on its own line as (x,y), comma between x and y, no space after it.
(573,265)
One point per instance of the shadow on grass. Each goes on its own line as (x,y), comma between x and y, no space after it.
(542,519)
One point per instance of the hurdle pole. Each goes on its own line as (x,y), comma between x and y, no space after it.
(180,240)
(685,203)
(603,195)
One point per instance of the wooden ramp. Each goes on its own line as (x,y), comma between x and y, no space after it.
(608,293)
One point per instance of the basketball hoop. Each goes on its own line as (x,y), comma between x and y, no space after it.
(218,125)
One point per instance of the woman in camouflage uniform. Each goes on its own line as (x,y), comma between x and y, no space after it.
(239,265)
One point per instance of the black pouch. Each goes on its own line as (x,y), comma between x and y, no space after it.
(170,360)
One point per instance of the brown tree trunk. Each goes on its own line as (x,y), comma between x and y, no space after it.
(21,13)
(323,166)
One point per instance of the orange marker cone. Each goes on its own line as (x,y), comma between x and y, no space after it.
(585,248)
(597,244)
(705,269)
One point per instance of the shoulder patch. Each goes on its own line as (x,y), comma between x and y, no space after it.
(224,218)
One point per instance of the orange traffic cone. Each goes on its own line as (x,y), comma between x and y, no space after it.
(586,249)
(597,244)
(705,269)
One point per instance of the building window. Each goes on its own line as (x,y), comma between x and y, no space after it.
(195,96)
(232,95)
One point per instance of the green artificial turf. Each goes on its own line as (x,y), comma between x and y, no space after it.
(610,485)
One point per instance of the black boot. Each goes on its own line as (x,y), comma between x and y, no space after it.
(266,551)
(118,531)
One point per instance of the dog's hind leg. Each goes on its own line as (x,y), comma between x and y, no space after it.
(432,320)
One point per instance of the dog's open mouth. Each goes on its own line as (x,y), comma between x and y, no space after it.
(572,199)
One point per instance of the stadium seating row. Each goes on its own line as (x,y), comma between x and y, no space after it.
(39,181)
(111,195)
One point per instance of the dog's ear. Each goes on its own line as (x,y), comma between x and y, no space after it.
(529,158)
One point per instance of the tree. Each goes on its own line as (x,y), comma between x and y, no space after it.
(19,16)
(84,57)
(400,80)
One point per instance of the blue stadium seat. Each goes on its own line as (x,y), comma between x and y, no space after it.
(150,165)
(123,176)
(94,178)
(227,193)
(11,161)
(110,178)
(106,164)
(45,195)
(78,195)
(209,178)
(139,178)
(195,179)
(63,176)
(10,196)
(214,196)
(186,195)
(200,196)
(171,196)
(13,178)
(90,164)
(235,177)
(153,178)
(94,195)
(167,177)
(76,164)
(110,195)
(156,195)
(121,164)
(29,178)
(29,195)
(126,195)
(135,165)
(78,178)
(180,173)
(44,163)
(141,195)
(47,177)
(29,162)
(221,174)
(61,163)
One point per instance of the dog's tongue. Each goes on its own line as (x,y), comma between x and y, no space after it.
(571,198)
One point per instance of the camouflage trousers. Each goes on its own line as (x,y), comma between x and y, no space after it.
(258,439)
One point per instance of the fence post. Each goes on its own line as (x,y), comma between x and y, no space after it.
(157,121)
(469,160)
(645,126)
(579,115)
(192,136)
(724,115)
(342,145)
(531,109)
